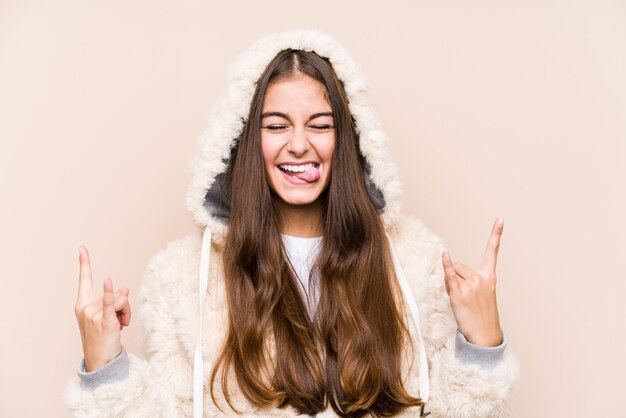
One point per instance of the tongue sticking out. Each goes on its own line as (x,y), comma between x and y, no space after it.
(310,175)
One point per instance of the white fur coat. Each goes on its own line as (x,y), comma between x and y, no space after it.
(162,383)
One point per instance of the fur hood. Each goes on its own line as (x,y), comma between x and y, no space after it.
(206,195)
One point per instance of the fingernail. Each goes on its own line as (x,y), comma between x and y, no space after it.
(446,255)
(501,221)
(80,250)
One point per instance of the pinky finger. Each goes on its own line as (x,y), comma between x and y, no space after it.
(450,273)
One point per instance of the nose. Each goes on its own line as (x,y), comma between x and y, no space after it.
(298,142)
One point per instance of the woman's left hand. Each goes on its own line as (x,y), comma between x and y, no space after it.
(473,294)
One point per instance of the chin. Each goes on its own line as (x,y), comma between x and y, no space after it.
(299,198)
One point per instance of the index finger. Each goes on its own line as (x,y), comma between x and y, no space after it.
(85,290)
(493,245)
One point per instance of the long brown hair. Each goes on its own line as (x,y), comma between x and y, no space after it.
(350,353)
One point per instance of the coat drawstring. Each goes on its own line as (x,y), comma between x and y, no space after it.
(424,383)
(203,281)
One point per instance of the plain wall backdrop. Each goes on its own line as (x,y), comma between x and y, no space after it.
(492,108)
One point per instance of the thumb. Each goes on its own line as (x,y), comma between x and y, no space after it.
(108,310)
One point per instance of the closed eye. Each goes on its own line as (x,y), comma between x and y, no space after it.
(275,127)
(315,127)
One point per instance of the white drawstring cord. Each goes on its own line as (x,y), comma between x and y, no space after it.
(424,385)
(203,282)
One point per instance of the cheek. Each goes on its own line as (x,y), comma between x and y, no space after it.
(268,151)
(327,148)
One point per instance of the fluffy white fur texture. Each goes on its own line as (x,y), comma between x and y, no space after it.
(226,120)
(162,385)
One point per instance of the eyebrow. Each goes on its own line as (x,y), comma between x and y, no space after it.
(284,115)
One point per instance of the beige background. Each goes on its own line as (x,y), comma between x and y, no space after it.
(493,108)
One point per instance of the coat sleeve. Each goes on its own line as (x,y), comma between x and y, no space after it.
(465,380)
(161,384)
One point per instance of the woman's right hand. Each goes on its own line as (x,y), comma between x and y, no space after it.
(100,321)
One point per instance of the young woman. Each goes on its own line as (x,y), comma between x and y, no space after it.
(304,291)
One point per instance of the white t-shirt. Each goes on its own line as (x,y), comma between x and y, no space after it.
(302,253)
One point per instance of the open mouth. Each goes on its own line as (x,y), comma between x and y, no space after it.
(301,173)
(300,168)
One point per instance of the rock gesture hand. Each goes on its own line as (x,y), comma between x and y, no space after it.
(100,321)
(473,294)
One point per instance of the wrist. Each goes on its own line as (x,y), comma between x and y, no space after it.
(492,339)
(95,362)
(115,370)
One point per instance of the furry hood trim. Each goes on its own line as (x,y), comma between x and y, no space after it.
(205,196)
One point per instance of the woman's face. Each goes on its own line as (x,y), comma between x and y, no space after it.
(297,139)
